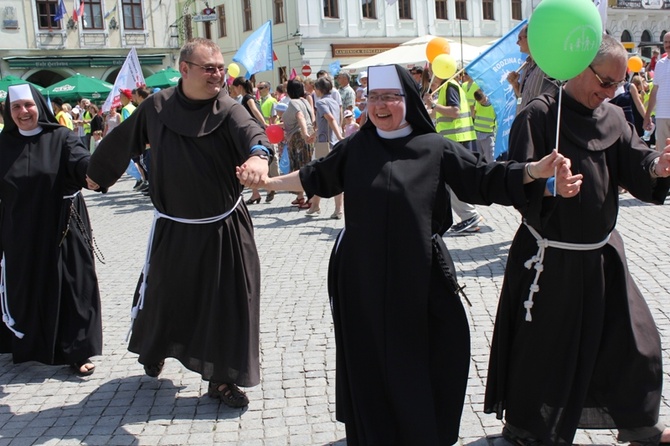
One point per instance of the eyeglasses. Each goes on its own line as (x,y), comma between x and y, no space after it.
(262,88)
(209,69)
(388,98)
(607,84)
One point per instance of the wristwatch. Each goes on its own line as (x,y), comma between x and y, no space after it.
(262,153)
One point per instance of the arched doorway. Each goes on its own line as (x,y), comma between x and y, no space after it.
(645,50)
(45,78)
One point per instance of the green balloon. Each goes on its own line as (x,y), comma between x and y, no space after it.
(564,36)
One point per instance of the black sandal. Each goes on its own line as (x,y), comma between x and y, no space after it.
(154,370)
(78,365)
(231,395)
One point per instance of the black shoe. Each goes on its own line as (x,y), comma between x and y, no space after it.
(270,196)
(144,187)
(231,395)
(469,225)
(138,184)
(154,370)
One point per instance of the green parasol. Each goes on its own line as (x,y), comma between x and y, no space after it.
(8,80)
(168,77)
(79,86)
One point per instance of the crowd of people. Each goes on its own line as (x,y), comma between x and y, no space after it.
(574,343)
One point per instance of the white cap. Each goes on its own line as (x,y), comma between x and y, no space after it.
(20,92)
(384,77)
(363,74)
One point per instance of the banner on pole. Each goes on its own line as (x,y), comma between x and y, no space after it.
(130,77)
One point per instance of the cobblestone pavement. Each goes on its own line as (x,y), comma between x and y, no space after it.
(295,402)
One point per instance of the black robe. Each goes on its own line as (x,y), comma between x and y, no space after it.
(402,335)
(52,286)
(591,356)
(202,298)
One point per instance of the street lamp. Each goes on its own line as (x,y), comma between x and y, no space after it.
(298,34)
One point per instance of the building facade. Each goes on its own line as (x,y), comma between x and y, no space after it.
(42,43)
(45,41)
(316,33)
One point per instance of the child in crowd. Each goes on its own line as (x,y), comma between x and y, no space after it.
(350,126)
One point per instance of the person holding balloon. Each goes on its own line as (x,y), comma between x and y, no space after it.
(574,343)
(453,120)
(402,336)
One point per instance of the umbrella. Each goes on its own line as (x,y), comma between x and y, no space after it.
(79,86)
(165,78)
(6,81)
(414,52)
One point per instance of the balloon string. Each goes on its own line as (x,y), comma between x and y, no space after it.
(437,90)
(558,124)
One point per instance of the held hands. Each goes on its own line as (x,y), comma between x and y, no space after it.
(253,173)
(662,168)
(90,184)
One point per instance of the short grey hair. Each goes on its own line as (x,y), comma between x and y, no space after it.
(610,48)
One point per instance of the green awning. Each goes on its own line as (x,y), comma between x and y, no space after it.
(79,61)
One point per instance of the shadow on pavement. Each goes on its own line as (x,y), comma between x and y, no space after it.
(114,412)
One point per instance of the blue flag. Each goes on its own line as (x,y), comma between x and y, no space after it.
(60,11)
(490,71)
(334,68)
(255,54)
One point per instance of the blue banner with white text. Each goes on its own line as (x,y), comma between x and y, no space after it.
(490,71)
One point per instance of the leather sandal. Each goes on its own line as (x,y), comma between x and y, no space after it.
(230,395)
(77,367)
(154,370)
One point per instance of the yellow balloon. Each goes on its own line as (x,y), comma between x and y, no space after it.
(444,66)
(233,70)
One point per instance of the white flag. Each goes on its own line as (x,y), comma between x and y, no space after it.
(130,77)
(602,9)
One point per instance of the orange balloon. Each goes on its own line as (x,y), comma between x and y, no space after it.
(437,46)
(635,64)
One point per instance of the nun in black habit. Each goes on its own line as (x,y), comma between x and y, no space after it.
(49,288)
(403,343)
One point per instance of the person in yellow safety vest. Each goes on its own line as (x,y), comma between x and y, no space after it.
(469,87)
(85,117)
(454,121)
(650,135)
(63,118)
(267,102)
(485,125)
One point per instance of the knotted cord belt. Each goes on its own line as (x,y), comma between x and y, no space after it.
(4,302)
(538,259)
(145,271)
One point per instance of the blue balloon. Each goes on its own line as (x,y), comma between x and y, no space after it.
(357,112)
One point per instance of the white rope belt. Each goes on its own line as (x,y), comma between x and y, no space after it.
(68,197)
(145,271)
(538,259)
(4,303)
(6,317)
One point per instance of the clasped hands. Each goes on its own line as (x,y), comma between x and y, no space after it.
(253,173)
